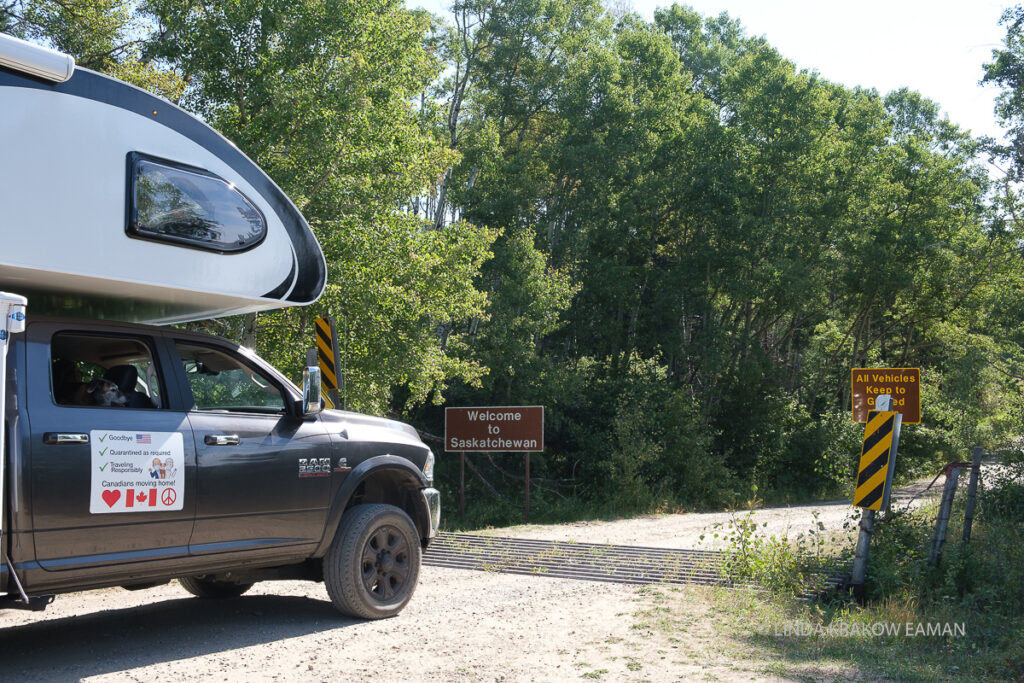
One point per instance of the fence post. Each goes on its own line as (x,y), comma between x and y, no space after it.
(972,492)
(952,476)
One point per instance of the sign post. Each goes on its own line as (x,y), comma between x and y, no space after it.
(496,429)
(527,511)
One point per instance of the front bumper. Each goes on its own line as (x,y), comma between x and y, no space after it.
(433,500)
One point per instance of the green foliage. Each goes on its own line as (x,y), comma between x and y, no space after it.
(664,232)
(977,584)
(398,289)
(527,298)
(1006,70)
(737,234)
(783,565)
(660,446)
(103,35)
(318,93)
(651,447)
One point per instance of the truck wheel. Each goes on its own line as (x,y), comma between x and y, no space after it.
(211,588)
(373,564)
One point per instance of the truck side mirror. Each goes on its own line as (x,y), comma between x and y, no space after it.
(312,401)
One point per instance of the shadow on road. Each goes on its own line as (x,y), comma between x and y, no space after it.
(119,639)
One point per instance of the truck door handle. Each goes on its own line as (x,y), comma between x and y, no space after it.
(221,439)
(63,438)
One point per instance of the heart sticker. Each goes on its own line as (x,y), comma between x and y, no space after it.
(111,496)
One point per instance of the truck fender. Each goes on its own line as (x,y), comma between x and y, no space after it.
(399,470)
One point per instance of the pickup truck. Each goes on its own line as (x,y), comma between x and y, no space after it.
(139,454)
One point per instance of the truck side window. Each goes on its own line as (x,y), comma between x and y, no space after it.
(94,370)
(224,383)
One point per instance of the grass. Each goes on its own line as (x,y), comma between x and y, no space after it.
(760,634)
(960,620)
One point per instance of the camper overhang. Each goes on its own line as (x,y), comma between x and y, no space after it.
(120,205)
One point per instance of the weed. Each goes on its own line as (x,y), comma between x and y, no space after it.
(778,563)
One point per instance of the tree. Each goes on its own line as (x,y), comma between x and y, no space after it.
(1006,70)
(104,35)
(318,93)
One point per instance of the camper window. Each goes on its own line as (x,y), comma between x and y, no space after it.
(190,207)
(91,370)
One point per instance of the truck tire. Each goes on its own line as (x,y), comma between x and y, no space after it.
(211,588)
(373,564)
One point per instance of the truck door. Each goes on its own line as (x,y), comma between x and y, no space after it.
(263,473)
(112,462)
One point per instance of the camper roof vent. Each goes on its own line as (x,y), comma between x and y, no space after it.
(32,59)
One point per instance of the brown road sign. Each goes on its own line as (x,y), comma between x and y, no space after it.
(903,384)
(509,429)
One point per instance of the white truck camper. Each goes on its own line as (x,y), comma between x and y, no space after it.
(117,204)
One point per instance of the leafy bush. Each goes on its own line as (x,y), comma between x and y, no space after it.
(781,564)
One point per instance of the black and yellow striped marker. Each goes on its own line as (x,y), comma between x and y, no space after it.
(877,456)
(327,354)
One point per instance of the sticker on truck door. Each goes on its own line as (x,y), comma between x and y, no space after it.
(136,471)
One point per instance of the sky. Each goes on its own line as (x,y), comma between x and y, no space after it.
(936,47)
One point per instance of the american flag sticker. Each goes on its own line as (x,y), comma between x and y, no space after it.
(144,438)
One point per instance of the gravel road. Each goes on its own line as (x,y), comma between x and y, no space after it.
(461,625)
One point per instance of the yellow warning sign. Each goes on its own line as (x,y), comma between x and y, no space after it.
(874,474)
(327,353)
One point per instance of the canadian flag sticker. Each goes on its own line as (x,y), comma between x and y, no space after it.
(136,471)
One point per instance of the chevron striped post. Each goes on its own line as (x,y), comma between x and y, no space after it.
(874,474)
(874,480)
(330,363)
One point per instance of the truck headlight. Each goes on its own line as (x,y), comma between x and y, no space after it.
(428,466)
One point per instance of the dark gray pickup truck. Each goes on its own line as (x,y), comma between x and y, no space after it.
(138,454)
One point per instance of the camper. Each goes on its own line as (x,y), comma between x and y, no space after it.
(136,453)
(118,204)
